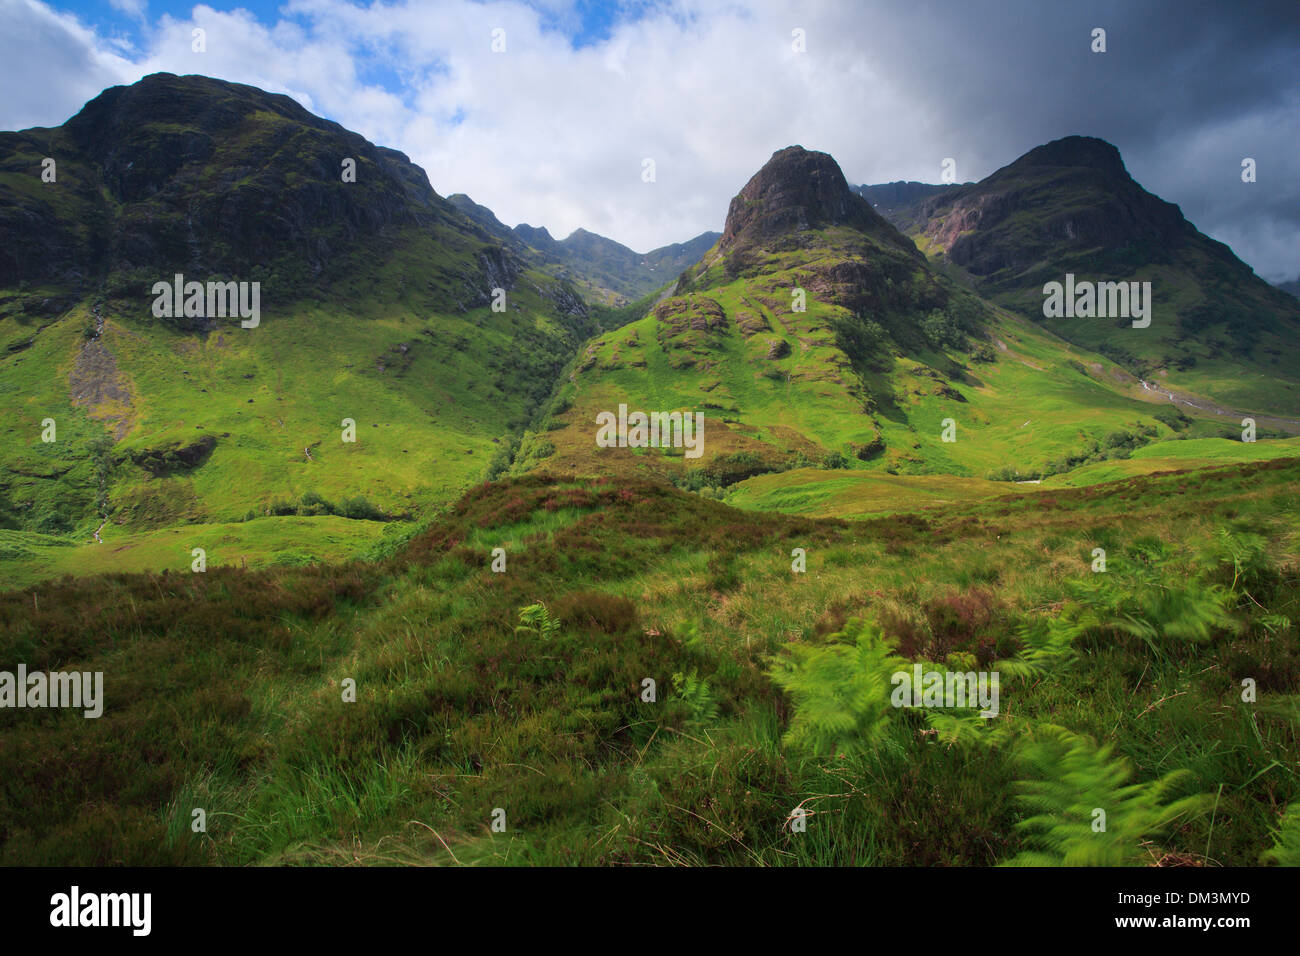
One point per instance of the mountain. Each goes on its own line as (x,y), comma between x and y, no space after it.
(608,272)
(409,346)
(376,307)
(815,334)
(654,678)
(1293,287)
(1218,334)
(898,201)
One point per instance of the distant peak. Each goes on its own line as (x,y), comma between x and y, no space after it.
(796,189)
(534,233)
(1085,151)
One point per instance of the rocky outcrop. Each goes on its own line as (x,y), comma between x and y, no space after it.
(798,190)
(778,349)
(1070,194)
(174,457)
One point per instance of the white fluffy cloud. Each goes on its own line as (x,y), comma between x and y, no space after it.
(556,136)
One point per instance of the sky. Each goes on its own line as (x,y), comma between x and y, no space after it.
(555,125)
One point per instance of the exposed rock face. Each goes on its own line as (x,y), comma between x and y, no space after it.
(699,313)
(1071,193)
(169,459)
(778,349)
(797,190)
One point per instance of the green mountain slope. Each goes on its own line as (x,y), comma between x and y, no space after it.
(377,306)
(886,353)
(1217,330)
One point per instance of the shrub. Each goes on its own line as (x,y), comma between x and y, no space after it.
(361,509)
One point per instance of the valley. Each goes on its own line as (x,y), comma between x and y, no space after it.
(406,522)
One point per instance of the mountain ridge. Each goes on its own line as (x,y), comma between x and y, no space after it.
(1070,206)
(609,270)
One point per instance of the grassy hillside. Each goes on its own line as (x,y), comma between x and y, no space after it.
(782,390)
(861,493)
(378,307)
(1217,330)
(431,394)
(813,335)
(470,708)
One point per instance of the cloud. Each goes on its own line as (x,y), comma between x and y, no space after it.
(50,65)
(132,8)
(556,135)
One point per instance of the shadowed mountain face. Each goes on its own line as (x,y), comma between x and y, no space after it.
(191,173)
(609,272)
(1068,197)
(898,201)
(1070,206)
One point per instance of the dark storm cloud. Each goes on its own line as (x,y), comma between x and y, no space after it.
(1185,90)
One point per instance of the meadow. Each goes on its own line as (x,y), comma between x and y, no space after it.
(505,718)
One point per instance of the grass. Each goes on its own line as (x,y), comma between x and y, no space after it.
(462,709)
(28,557)
(819,493)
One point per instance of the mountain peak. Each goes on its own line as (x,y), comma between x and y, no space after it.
(539,237)
(1085,151)
(797,189)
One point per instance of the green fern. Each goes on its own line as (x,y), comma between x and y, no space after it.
(967,727)
(1252,566)
(1151,599)
(1072,778)
(841,692)
(537,619)
(1048,643)
(700,701)
(1286,845)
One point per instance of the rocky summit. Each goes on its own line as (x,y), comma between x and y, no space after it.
(797,190)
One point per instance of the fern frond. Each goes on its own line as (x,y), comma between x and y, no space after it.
(1083,811)
(841,692)
(1286,839)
